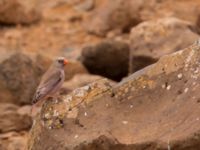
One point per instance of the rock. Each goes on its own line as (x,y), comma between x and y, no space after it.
(108,58)
(19,77)
(19,11)
(12,118)
(73,68)
(80,80)
(13,141)
(123,15)
(112,16)
(152,39)
(155,108)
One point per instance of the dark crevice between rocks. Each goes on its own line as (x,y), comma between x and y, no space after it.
(139,62)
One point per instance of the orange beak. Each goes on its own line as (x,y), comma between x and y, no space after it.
(65,61)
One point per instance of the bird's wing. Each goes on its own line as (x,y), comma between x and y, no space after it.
(50,79)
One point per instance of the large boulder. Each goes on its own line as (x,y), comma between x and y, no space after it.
(13,118)
(19,77)
(122,15)
(113,15)
(152,39)
(19,11)
(155,108)
(107,58)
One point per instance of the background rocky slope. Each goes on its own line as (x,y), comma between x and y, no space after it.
(102,38)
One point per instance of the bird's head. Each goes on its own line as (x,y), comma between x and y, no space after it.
(61,62)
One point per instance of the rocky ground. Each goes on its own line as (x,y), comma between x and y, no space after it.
(156,107)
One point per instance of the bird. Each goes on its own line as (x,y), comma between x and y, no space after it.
(51,81)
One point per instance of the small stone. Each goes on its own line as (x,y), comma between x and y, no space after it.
(186,90)
(76,136)
(168,87)
(85,114)
(131,106)
(125,122)
(86,88)
(180,75)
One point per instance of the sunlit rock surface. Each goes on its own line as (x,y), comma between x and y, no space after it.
(155,108)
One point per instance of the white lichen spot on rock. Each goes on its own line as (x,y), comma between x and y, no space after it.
(55,113)
(86,88)
(189,58)
(125,122)
(47,115)
(168,87)
(68,98)
(76,136)
(186,90)
(79,93)
(180,75)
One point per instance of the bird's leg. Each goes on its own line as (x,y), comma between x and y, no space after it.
(37,107)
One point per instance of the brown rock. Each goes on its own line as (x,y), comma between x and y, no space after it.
(155,108)
(152,39)
(113,15)
(19,77)
(123,15)
(13,118)
(108,58)
(19,11)
(80,80)
(13,141)
(73,68)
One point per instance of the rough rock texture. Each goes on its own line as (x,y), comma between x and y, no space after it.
(155,108)
(19,11)
(113,15)
(122,15)
(19,77)
(152,39)
(108,58)
(80,80)
(13,141)
(13,118)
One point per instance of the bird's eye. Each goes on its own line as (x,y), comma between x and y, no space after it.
(60,61)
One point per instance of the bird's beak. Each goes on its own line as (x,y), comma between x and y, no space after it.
(65,61)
